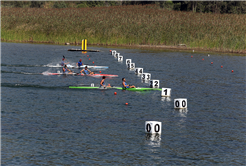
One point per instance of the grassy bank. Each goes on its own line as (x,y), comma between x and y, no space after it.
(125,25)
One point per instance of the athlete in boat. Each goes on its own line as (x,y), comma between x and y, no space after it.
(124,84)
(86,71)
(63,62)
(79,63)
(66,70)
(102,83)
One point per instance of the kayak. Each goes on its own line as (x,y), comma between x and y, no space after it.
(71,66)
(120,88)
(81,74)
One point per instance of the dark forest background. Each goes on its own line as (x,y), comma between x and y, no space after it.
(234,7)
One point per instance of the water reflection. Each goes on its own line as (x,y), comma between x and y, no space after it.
(145,81)
(153,140)
(181,112)
(165,99)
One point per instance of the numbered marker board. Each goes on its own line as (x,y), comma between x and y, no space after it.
(165,92)
(120,58)
(154,84)
(113,52)
(138,70)
(153,127)
(180,103)
(146,76)
(128,61)
(117,55)
(131,66)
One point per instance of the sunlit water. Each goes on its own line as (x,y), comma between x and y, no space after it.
(46,123)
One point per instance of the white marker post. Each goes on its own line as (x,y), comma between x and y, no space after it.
(128,61)
(165,92)
(117,55)
(138,70)
(154,84)
(113,52)
(146,76)
(153,127)
(180,103)
(120,58)
(131,66)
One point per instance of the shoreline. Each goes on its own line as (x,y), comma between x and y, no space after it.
(181,47)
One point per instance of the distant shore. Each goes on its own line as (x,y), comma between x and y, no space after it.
(157,47)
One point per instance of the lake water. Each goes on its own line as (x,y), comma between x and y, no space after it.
(43,122)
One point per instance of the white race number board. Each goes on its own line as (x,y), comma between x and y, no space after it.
(153,127)
(154,83)
(165,92)
(180,103)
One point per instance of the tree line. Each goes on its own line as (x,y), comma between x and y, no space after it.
(233,7)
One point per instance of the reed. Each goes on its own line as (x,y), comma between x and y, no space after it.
(133,25)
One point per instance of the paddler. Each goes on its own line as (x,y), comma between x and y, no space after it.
(124,84)
(63,61)
(66,70)
(86,71)
(79,63)
(102,83)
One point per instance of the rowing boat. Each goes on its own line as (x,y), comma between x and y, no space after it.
(81,74)
(120,88)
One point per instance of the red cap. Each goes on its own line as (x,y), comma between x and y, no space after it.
(80,60)
(62,58)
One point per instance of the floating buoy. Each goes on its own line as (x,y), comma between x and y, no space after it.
(221,66)
(93,62)
(89,58)
(211,62)
(191,56)
(232,71)
(115,93)
(99,71)
(87,55)
(203,59)
(126,103)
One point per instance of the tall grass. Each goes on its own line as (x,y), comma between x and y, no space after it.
(133,25)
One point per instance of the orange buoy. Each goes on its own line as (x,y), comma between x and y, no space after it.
(87,55)
(93,62)
(115,93)
(203,59)
(221,66)
(126,103)
(211,62)
(232,71)
(99,71)
(191,56)
(89,58)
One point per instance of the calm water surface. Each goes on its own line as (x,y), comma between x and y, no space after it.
(43,122)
